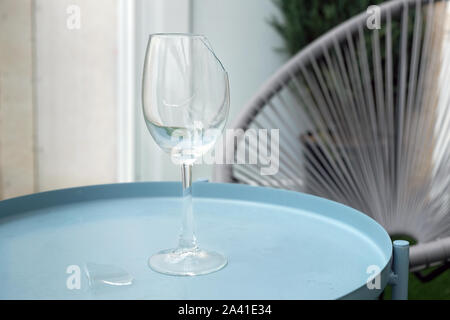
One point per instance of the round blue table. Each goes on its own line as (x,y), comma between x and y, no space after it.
(279,244)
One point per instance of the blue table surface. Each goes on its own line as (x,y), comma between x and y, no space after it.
(279,244)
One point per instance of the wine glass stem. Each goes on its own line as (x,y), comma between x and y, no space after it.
(187,237)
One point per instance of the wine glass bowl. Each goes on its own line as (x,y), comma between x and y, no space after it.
(185,98)
(185,94)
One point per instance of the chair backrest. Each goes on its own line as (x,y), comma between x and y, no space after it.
(363,118)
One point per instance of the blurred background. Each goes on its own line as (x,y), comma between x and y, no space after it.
(70,83)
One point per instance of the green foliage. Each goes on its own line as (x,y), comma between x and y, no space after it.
(437,289)
(302,21)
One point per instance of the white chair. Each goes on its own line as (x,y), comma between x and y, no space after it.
(363,117)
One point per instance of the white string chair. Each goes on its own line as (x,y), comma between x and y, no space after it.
(364,120)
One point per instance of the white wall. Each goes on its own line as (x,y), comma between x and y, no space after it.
(241,38)
(16,99)
(75,93)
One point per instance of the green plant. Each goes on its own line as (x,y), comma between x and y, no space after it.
(302,21)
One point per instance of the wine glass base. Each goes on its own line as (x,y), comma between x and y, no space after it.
(179,262)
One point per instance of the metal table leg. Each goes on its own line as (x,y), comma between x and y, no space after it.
(400,270)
